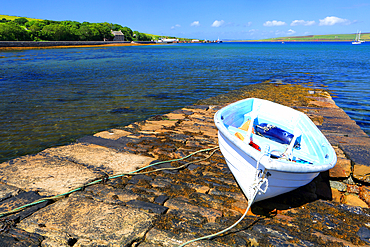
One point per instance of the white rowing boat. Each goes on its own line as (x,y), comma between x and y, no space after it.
(280,151)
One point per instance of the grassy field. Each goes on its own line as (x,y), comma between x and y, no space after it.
(10,17)
(329,37)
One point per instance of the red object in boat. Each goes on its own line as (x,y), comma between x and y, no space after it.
(255,146)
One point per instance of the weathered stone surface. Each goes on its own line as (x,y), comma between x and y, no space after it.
(161,182)
(236,195)
(19,238)
(7,191)
(199,188)
(361,173)
(100,158)
(109,194)
(184,204)
(47,175)
(338,185)
(161,199)
(147,206)
(365,194)
(175,116)
(19,200)
(167,238)
(342,169)
(355,201)
(113,134)
(336,195)
(352,188)
(88,219)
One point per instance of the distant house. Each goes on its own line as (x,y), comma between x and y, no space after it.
(118,35)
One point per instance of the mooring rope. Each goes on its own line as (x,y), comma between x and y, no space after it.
(256,187)
(117,176)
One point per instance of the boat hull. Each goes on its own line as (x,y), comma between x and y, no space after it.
(243,167)
(248,155)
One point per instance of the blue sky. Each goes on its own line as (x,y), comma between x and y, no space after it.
(207,19)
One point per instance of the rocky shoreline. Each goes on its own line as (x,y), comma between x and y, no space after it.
(170,207)
(20,45)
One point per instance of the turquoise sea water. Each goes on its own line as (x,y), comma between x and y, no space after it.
(51,97)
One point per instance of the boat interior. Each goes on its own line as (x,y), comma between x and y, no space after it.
(306,145)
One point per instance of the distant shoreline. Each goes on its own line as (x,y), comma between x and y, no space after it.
(293,41)
(11,45)
(22,45)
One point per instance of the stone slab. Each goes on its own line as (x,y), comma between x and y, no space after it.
(112,134)
(19,238)
(7,191)
(19,200)
(183,204)
(97,157)
(47,175)
(108,194)
(147,206)
(169,239)
(89,220)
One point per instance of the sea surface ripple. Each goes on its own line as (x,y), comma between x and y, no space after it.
(50,97)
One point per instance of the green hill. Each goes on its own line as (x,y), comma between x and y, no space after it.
(48,30)
(15,28)
(319,38)
(12,18)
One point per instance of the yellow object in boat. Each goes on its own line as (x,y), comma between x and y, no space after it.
(245,126)
(240,136)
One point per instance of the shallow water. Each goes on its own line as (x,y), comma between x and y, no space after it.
(51,97)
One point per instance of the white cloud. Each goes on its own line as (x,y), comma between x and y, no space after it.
(302,22)
(195,24)
(332,20)
(291,31)
(274,23)
(176,26)
(217,23)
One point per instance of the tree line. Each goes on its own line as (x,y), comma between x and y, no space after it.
(21,29)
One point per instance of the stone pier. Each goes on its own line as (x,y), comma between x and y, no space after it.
(170,207)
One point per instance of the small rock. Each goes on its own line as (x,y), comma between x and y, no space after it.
(338,185)
(342,169)
(365,194)
(361,172)
(336,195)
(198,188)
(351,188)
(354,200)
(161,199)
